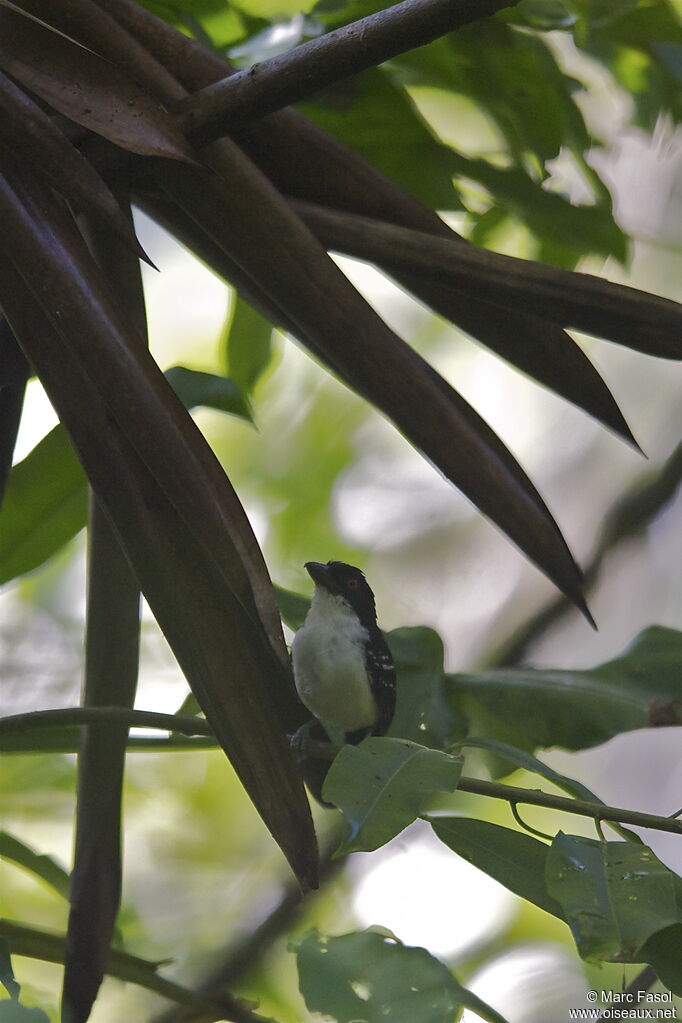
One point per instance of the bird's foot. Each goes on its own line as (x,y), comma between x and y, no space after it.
(301,739)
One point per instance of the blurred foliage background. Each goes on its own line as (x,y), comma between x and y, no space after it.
(524,130)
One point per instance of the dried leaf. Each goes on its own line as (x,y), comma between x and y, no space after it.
(87,89)
(335,322)
(172,507)
(37,141)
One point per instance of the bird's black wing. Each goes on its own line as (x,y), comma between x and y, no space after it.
(381,672)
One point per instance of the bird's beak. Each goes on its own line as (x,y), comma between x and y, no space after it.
(318,572)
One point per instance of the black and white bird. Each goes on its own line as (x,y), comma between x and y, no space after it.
(343,669)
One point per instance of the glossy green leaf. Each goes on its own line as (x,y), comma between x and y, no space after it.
(383,785)
(377,119)
(247,344)
(422,713)
(43,866)
(578,709)
(45,505)
(208,390)
(511,857)
(370,977)
(614,895)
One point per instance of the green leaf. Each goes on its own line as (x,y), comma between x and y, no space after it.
(422,713)
(662,950)
(382,785)
(641,48)
(375,116)
(546,15)
(45,505)
(513,76)
(208,390)
(293,607)
(43,866)
(370,977)
(573,230)
(578,709)
(248,344)
(615,896)
(514,859)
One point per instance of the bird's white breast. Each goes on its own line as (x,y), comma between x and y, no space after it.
(328,655)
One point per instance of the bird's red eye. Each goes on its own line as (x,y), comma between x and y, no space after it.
(352,584)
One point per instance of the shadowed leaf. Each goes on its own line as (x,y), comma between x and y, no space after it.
(208,390)
(383,785)
(576,709)
(514,859)
(369,976)
(615,896)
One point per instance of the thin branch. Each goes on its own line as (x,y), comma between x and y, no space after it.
(50,947)
(597,811)
(293,76)
(327,751)
(115,715)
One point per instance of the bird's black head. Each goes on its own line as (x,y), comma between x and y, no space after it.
(347,582)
